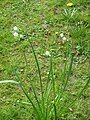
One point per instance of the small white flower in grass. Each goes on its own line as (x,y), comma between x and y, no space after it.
(64,38)
(61,35)
(21,36)
(47,53)
(15,34)
(15,28)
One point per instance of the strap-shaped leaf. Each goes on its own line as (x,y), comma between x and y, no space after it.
(8,81)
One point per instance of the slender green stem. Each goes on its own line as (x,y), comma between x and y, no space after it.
(53,82)
(47,98)
(37,99)
(37,67)
(25,58)
(26,94)
(48,80)
(64,72)
(39,73)
(69,71)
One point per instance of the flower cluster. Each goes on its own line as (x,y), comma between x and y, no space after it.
(16,33)
(64,39)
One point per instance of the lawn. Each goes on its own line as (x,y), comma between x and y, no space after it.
(44,52)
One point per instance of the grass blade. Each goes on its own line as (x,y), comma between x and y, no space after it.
(9,81)
(69,71)
(53,82)
(26,94)
(39,73)
(35,95)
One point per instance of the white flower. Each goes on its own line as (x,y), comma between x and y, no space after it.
(15,28)
(21,36)
(15,34)
(47,53)
(61,35)
(64,38)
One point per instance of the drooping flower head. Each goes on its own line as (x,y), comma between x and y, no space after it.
(15,31)
(15,34)
(15,28)
(61,35)
(47,53)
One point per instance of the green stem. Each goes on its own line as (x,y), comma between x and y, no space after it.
(53,82)
(33,86)
(39,73)
(24,91)
(69,71)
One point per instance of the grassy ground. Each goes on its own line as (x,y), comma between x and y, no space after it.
(44,21)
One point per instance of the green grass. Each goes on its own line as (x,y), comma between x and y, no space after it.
(58,85)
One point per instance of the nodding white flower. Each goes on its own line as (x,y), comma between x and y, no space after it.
(47,53)
(61,35)
(15,34)
(64,38)
(21,36)
(15,28)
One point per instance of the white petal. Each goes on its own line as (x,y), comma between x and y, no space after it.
(61,35)
(21,36)
(47,53)
(64,38)
(15,34)
(15,28)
